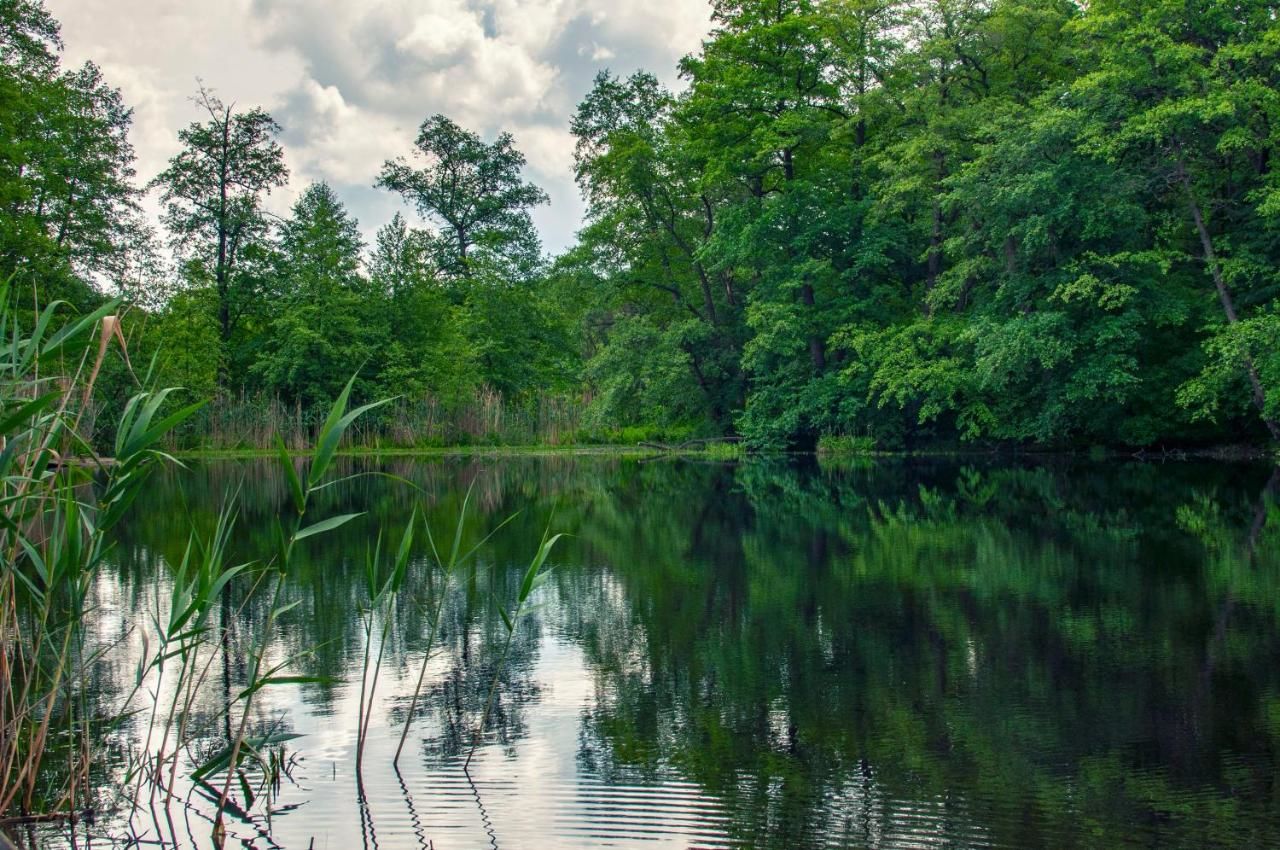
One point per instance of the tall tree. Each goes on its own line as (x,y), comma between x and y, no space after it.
(648,223)
(71,215)
(424,349)
(1184,92)
(476,192)
(761,112)
(29,37)
(212,191)
(319,316)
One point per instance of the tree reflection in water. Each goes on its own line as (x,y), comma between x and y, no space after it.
(889,653)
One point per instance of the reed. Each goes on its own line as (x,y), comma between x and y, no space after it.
(58,504)
(534,577)
(834,445)
(382,588)
(290,532)
(484,417)
(448,568)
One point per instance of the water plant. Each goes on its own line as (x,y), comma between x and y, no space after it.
(534,577)
(836,445)
(447,568)
(58,503)
(724,451)
(382,588)
(289,533)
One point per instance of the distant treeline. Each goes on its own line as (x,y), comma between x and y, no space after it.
(905,222)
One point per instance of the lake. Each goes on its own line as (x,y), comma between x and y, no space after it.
(774,654)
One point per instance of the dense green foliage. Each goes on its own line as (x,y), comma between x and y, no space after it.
(67,193)
(913,222)
(425,313)
(1015,220)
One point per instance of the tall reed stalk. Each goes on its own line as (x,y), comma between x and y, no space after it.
(483,417)
(58,504)
(448,568)
(382,590)
(534,577)
(289,533)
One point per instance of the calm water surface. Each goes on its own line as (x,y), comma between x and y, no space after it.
(765,654)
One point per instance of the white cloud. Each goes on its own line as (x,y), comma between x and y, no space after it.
(351,81)
(340,142)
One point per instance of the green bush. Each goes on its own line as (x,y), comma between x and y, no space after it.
(831,445)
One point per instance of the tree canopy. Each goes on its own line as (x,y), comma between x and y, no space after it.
(936,221)
(913,222)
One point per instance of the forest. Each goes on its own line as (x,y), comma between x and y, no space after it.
(900,224)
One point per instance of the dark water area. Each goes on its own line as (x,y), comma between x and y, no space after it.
(764,654)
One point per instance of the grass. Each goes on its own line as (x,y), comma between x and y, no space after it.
(482,418)
(832,445)
(444,451)
(724,451)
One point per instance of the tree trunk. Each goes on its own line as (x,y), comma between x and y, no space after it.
(817,348)
(933,261)
(717,414)
(708,301)
(220,270)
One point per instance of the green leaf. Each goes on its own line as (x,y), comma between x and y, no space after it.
(457,531)
(222,758)
(526,586)
(325,525)
(291,474)
(271,681)
(244,789)
(30,410)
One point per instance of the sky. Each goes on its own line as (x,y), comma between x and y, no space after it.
(351,80)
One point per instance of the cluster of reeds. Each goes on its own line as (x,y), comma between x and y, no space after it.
(535,575)
(833,445)
(485,417)
(58,504)
(195,628)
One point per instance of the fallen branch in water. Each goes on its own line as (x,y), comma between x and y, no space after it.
(700,441)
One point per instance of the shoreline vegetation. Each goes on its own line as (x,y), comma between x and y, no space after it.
(855,228)
(733,451)
(899,228)
(484,422)
(60,759)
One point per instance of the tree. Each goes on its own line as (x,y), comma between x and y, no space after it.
(423,349)
(475,191)
(761,113)
(401,259)
(71,215)
(321,317)
(212,192)
(1184,93)
(29,38)
(643,255)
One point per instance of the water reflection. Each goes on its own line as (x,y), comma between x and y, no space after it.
(766,655)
